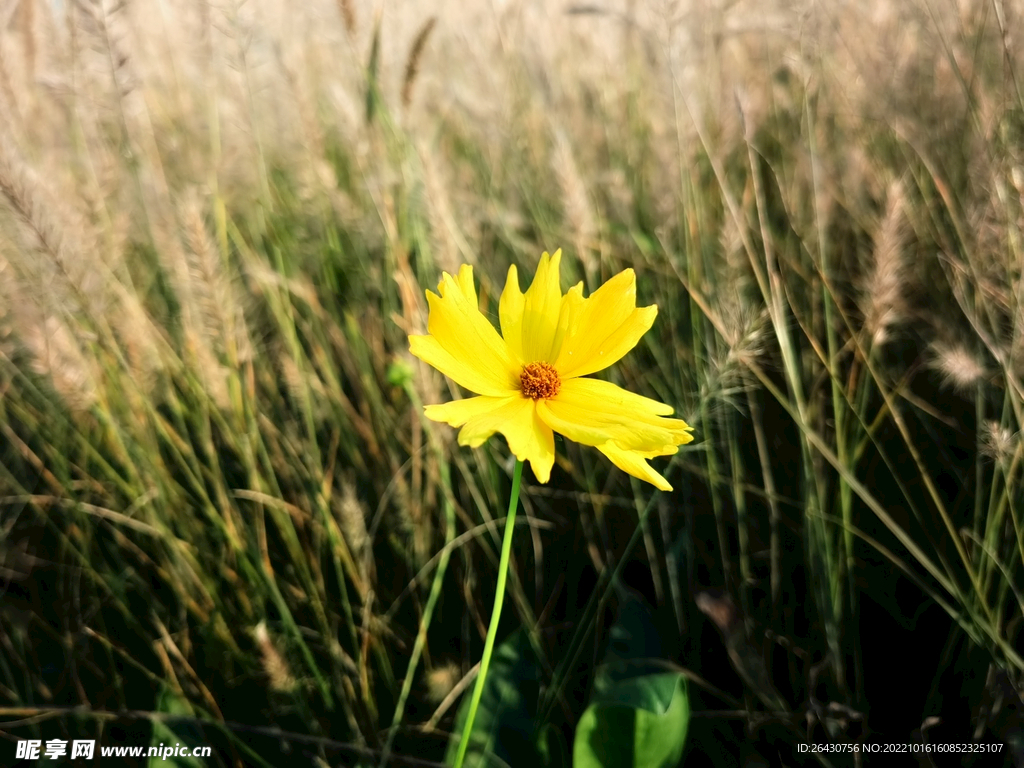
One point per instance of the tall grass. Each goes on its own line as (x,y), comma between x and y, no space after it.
(221,507)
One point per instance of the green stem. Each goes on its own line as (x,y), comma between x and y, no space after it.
(492,630)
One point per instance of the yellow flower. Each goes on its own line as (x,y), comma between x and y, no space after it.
(530,377)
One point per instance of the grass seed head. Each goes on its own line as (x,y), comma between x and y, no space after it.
(958,366)
(441,680)
(885,301)
(274,665)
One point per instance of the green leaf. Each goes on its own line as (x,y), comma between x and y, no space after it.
(504,732)
(652,693)
(642,723)
(639,713)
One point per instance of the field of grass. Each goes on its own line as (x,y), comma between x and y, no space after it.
(224,519)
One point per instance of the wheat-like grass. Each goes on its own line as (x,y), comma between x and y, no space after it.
(886,284)
(348,15)
(274,665)
(415,60)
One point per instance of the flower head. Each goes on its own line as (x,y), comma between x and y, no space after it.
(530,378)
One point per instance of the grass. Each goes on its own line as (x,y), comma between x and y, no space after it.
(221,508)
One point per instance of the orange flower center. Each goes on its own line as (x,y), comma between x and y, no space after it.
(539,381)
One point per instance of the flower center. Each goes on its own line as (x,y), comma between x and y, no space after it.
(539,381)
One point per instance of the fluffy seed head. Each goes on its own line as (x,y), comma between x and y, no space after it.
(997,441)
(885,303)
(274,664)
(441,681)
(959,367)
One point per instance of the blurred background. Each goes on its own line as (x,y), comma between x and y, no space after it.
(223,518)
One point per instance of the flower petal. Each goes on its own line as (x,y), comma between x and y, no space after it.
(587,428)
(464,281)
(458,412)
(510,312)
(606,328)
(465,373)
(528,437)
(626,427)
(598,395)
(457,324)
(593,412)
(572,304)
(542,309)
(633,463)
(531,319)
